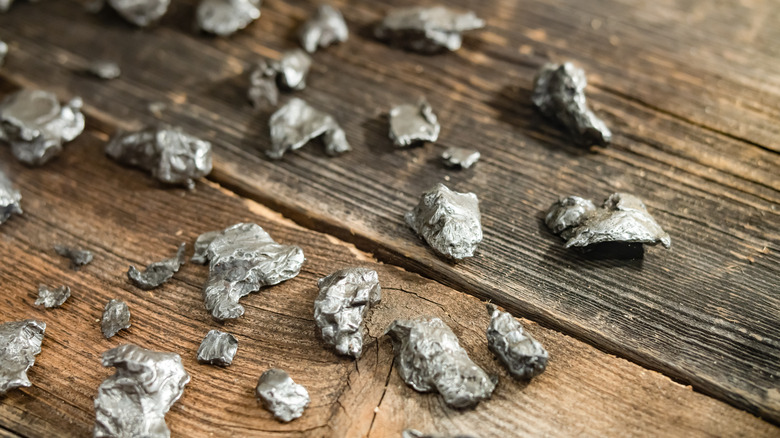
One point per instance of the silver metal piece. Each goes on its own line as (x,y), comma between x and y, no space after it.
(242,259)
(325,27)
(104,69)
(449,221)
(288,73)
(296,123)
(20,342)
(167,152)
(412,124)
(413,433)
(460,158)
(5,5)
(218,348)
(3,49)
(200,256)
(133,402)
(567,213)
(78,257)
(559,93)
(427,30)
(224,17)
(522,355)
(52,297)
(158,272)
(281,395)
(140,12)
(10,199)
(116,316)
(344,300)
(36,125)
(429,358)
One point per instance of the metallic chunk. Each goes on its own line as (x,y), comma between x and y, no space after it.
(78,257)
(413,124)
(168,153)
(52,297)
(242,259)
(460,158)
(449,221)
(567,213)
(344,300)
(288,73)
(20,342)
(559,93)
(3,50)
(280,395)
(413,433)
(224,17)
(133,402)
(200,256)
(294,124)
(104,69)
(158,272)
(426,30)
(116,316)
(35,124)
(218,348)
(140,12)
(10,199)
(522,355)
(430,358)
(325,27)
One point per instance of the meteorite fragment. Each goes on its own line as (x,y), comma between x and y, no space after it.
(460,158)
(522,355)
(622,218)
(449,221)
(140,12)
(344,299)
(3,50)
(242,259)
(288,73)
(412,124)
(116,316)
(224,17)
(429,358)
(427,30)
(133,402)
(158,272)
(104,69)
(200,255)
(413,433)
(78,257)
(280,395)
(169,154)
(35,124)
(52,297)
(325,27)
(294,124)
(218,348)
(20,342)
(559,93)
(10,199)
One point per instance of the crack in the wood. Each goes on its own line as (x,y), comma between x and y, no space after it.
(11,431)
(382,397)
(418,296)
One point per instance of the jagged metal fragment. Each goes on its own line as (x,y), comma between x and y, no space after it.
(460,158)
(200,256)
(325,27)
(20,342)
(622,218)
(224,17)
(140,12)
(158,272)
(559,93)
(281,395)
(133,402)
(3,50)
(344,300)
(427,30)
(242,259)
(168,153)
(218,348)
(10,199)
(35,124)
(116,316)
(429,358)
(296,123)
(414,433)
(78,257)
(52,297)
(449,221)
(522,355)
(412,124)
(104,69)
(288,73)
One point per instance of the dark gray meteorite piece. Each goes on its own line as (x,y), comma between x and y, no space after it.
(3,50)
(344,299)
(296,123)
(10,199)
(200,255)
(218,348)
(242,259)
(325,27)
(426,30)
(281,395)
(559,93)
(449,221)
(460,158)
(133,402)
(413,124)
(288,73)
(522,355)
(104,69)
(224,17)
(52,297)
(430,358)
(36,125)
(78,257)
(116,316)
(140,12)
(158,272)
(20,342)
(168,153)
(567,213)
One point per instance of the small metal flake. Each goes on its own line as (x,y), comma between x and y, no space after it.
(460,158)
(281,395)
(159,272)
(522,355)
(104,69)
(78,257)
(412,124)
(50,298)
(10,199)
(20,342)
(3,50)
(142,13)
(296,123)
(218,348)
(224,17)
(413,433)
(116,316)
(288,73)
(427,30)
(325,27)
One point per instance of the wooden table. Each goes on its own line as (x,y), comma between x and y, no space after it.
(679,342)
